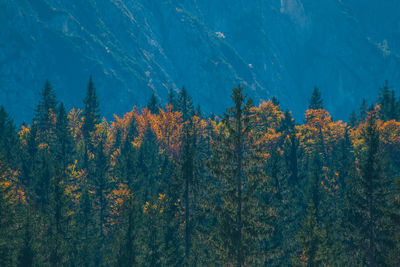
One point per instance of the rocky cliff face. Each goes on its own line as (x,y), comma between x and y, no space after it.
(132,48)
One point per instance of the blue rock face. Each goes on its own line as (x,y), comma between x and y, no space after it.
(132,48)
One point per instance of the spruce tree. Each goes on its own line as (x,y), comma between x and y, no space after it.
(185,104)
(91,112)
(367,200)
(65,143)
(172,98)
(46,109)
(153,104)
(242,220)
(26,252)
(362,111)
(387,102)
(316,100)
(9,144)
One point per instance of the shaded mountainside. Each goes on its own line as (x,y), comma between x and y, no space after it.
(277,48)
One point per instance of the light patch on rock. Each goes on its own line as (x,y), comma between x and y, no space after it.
(220,35)
(384,47)
(295,10)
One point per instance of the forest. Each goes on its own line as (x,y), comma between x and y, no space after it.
(166,185)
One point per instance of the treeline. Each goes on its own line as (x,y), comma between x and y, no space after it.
(167,186)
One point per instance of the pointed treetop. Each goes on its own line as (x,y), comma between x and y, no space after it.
(185,104)
(47,105)
(275,101)
(316,100)
(172,98)
(152,104)
(91,112)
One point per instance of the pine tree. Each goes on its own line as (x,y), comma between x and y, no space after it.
(241,218)
(185,104)
(152,104)
(172,99)
(128,247)
(101,185)
(45,110)
(316,100)
(58,221)
(91,112)
(367,200)
(26,253)
(387,102)
(65,143)
(290,147)
(187,175)
(353,119)
(275,101)
(362,112)
(8,138)
(7,214)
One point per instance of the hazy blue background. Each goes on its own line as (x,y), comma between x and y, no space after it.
(134,47)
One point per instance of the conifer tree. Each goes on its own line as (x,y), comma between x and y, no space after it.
(65,144)
(387,102)
(367,200)
(185,104)
(8,138)
(7,214)
(127,245)
(58,221)
(172,98)
(152,104)
(45,110)
(275,101)
(91,112)
(26,252)
(316,100)
(241,219)
(362,112)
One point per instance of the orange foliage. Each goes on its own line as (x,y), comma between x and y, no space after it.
(167,126)
(75,123)
(268,115)
(319,124)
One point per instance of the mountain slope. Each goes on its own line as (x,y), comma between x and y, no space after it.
(132,48)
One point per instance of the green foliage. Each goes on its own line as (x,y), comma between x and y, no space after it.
(91,112)
(316,100)
(172,188)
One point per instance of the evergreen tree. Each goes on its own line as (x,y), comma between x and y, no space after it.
(91,112)
(26,253)
(241,218)
(363,110)
(45,110)
(8,138)
(172,98)
(7,215)
(152,104)
(185,104)
(387,102)
(316,100)
(128,248)
(275,101)
(353,119)
(367,200)
(187,175)
(58,222)
(65,144)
